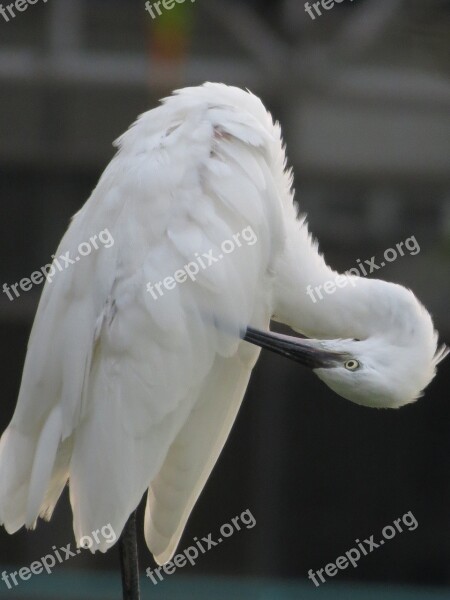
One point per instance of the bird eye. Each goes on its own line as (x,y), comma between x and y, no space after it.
(352,365)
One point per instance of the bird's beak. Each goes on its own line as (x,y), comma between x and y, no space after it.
(306,352)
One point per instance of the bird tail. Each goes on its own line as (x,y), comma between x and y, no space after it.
(31,477)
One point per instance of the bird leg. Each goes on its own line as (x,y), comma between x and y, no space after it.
(129,562)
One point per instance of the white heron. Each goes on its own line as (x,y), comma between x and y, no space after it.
(123,393)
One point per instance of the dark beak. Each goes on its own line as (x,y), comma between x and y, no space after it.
(304,351)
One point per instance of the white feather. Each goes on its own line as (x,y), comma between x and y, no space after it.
(193,454)
(113,377)
(121,391)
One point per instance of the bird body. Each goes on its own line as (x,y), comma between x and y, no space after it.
(124,390)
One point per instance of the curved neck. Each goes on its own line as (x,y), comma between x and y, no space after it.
(315,300)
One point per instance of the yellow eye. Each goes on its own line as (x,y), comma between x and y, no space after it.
(352,365)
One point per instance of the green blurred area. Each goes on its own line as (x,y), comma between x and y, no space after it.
(107,586)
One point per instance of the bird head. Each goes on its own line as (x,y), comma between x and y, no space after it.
(388,367)
(372,373)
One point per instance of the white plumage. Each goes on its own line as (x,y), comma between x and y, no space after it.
(122,392)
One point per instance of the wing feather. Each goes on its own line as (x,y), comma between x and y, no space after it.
(117,381)
(193,454)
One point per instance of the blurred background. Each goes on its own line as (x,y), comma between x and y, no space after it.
(363,96)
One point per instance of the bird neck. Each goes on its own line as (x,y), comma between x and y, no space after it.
(317,301)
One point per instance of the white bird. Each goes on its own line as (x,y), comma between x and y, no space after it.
(123,393)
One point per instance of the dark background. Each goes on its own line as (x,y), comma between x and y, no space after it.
(363,96)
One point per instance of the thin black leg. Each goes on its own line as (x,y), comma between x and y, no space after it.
(129,563)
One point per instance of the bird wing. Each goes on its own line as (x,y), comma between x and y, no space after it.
(114,372)
(193,454)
